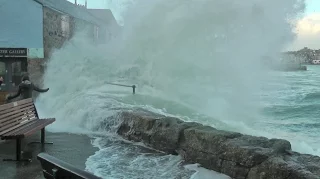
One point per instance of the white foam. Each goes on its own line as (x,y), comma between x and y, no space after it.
(202,173)
(105,163)
(120,160)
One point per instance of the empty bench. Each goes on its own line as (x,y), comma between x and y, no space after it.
(54,168)
(19,120)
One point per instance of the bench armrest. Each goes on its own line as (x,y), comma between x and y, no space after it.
(58,169)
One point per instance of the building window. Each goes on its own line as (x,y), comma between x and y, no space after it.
(2,68)
(108,35)
(96,32)
(16,73)
(3,72)
(65,25)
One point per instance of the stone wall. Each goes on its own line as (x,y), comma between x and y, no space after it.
(35,66)
(53,36)
(234,154)
(57,29)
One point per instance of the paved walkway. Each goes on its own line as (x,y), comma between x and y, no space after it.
(73,149)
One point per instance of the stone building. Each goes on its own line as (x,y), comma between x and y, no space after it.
(61,19)
(37,27)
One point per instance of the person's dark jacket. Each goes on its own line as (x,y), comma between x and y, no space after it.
(25,89)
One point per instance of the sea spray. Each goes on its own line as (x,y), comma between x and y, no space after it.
(197,60)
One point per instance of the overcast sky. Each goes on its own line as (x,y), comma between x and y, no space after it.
(308,27)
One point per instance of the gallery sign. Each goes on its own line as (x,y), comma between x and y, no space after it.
(13,52)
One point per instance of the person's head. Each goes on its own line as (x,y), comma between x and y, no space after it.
(25,78)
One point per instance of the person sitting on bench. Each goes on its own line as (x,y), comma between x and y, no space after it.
(26,87)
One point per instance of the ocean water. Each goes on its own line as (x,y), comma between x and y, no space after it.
(195,60)
(290,103)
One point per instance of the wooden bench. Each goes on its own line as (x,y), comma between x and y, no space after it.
(54,168)
(19,120)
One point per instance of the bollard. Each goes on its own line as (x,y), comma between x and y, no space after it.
(134,89)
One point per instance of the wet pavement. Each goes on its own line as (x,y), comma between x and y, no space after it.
(71,148)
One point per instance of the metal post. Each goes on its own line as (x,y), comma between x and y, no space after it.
(54,173)
(133,89)
(42,135)
(18,149)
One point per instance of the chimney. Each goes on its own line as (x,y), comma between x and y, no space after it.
(86,4)
(75,2)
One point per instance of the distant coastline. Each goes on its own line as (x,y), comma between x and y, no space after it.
(293,60)
(305,55)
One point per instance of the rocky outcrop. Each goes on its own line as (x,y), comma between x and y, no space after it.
(234,154)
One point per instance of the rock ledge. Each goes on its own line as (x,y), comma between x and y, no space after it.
(234,154)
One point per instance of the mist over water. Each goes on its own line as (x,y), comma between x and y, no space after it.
(199,60)
(206,54)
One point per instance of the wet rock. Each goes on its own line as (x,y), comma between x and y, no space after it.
(273,168)
(234,154)
(202,144)
(234,170)
(227,152)
(250,151)
(157,131)
(288,167)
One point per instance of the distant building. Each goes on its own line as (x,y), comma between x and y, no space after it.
(31,29)
(105,15)
(315,61)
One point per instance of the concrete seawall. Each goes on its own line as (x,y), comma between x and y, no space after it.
(234,154)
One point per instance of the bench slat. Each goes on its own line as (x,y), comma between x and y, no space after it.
(3,112)
(29,129)
(42,123)
(21,130)
(23,115)
(16,121)
(19,127)
(4,117)
(11,105)
(19,116)
(2,133)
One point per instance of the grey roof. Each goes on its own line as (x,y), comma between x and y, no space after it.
(104,14)
(73,10)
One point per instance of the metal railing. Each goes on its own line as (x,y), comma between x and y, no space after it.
(123,85)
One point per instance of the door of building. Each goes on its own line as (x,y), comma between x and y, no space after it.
(12,69)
